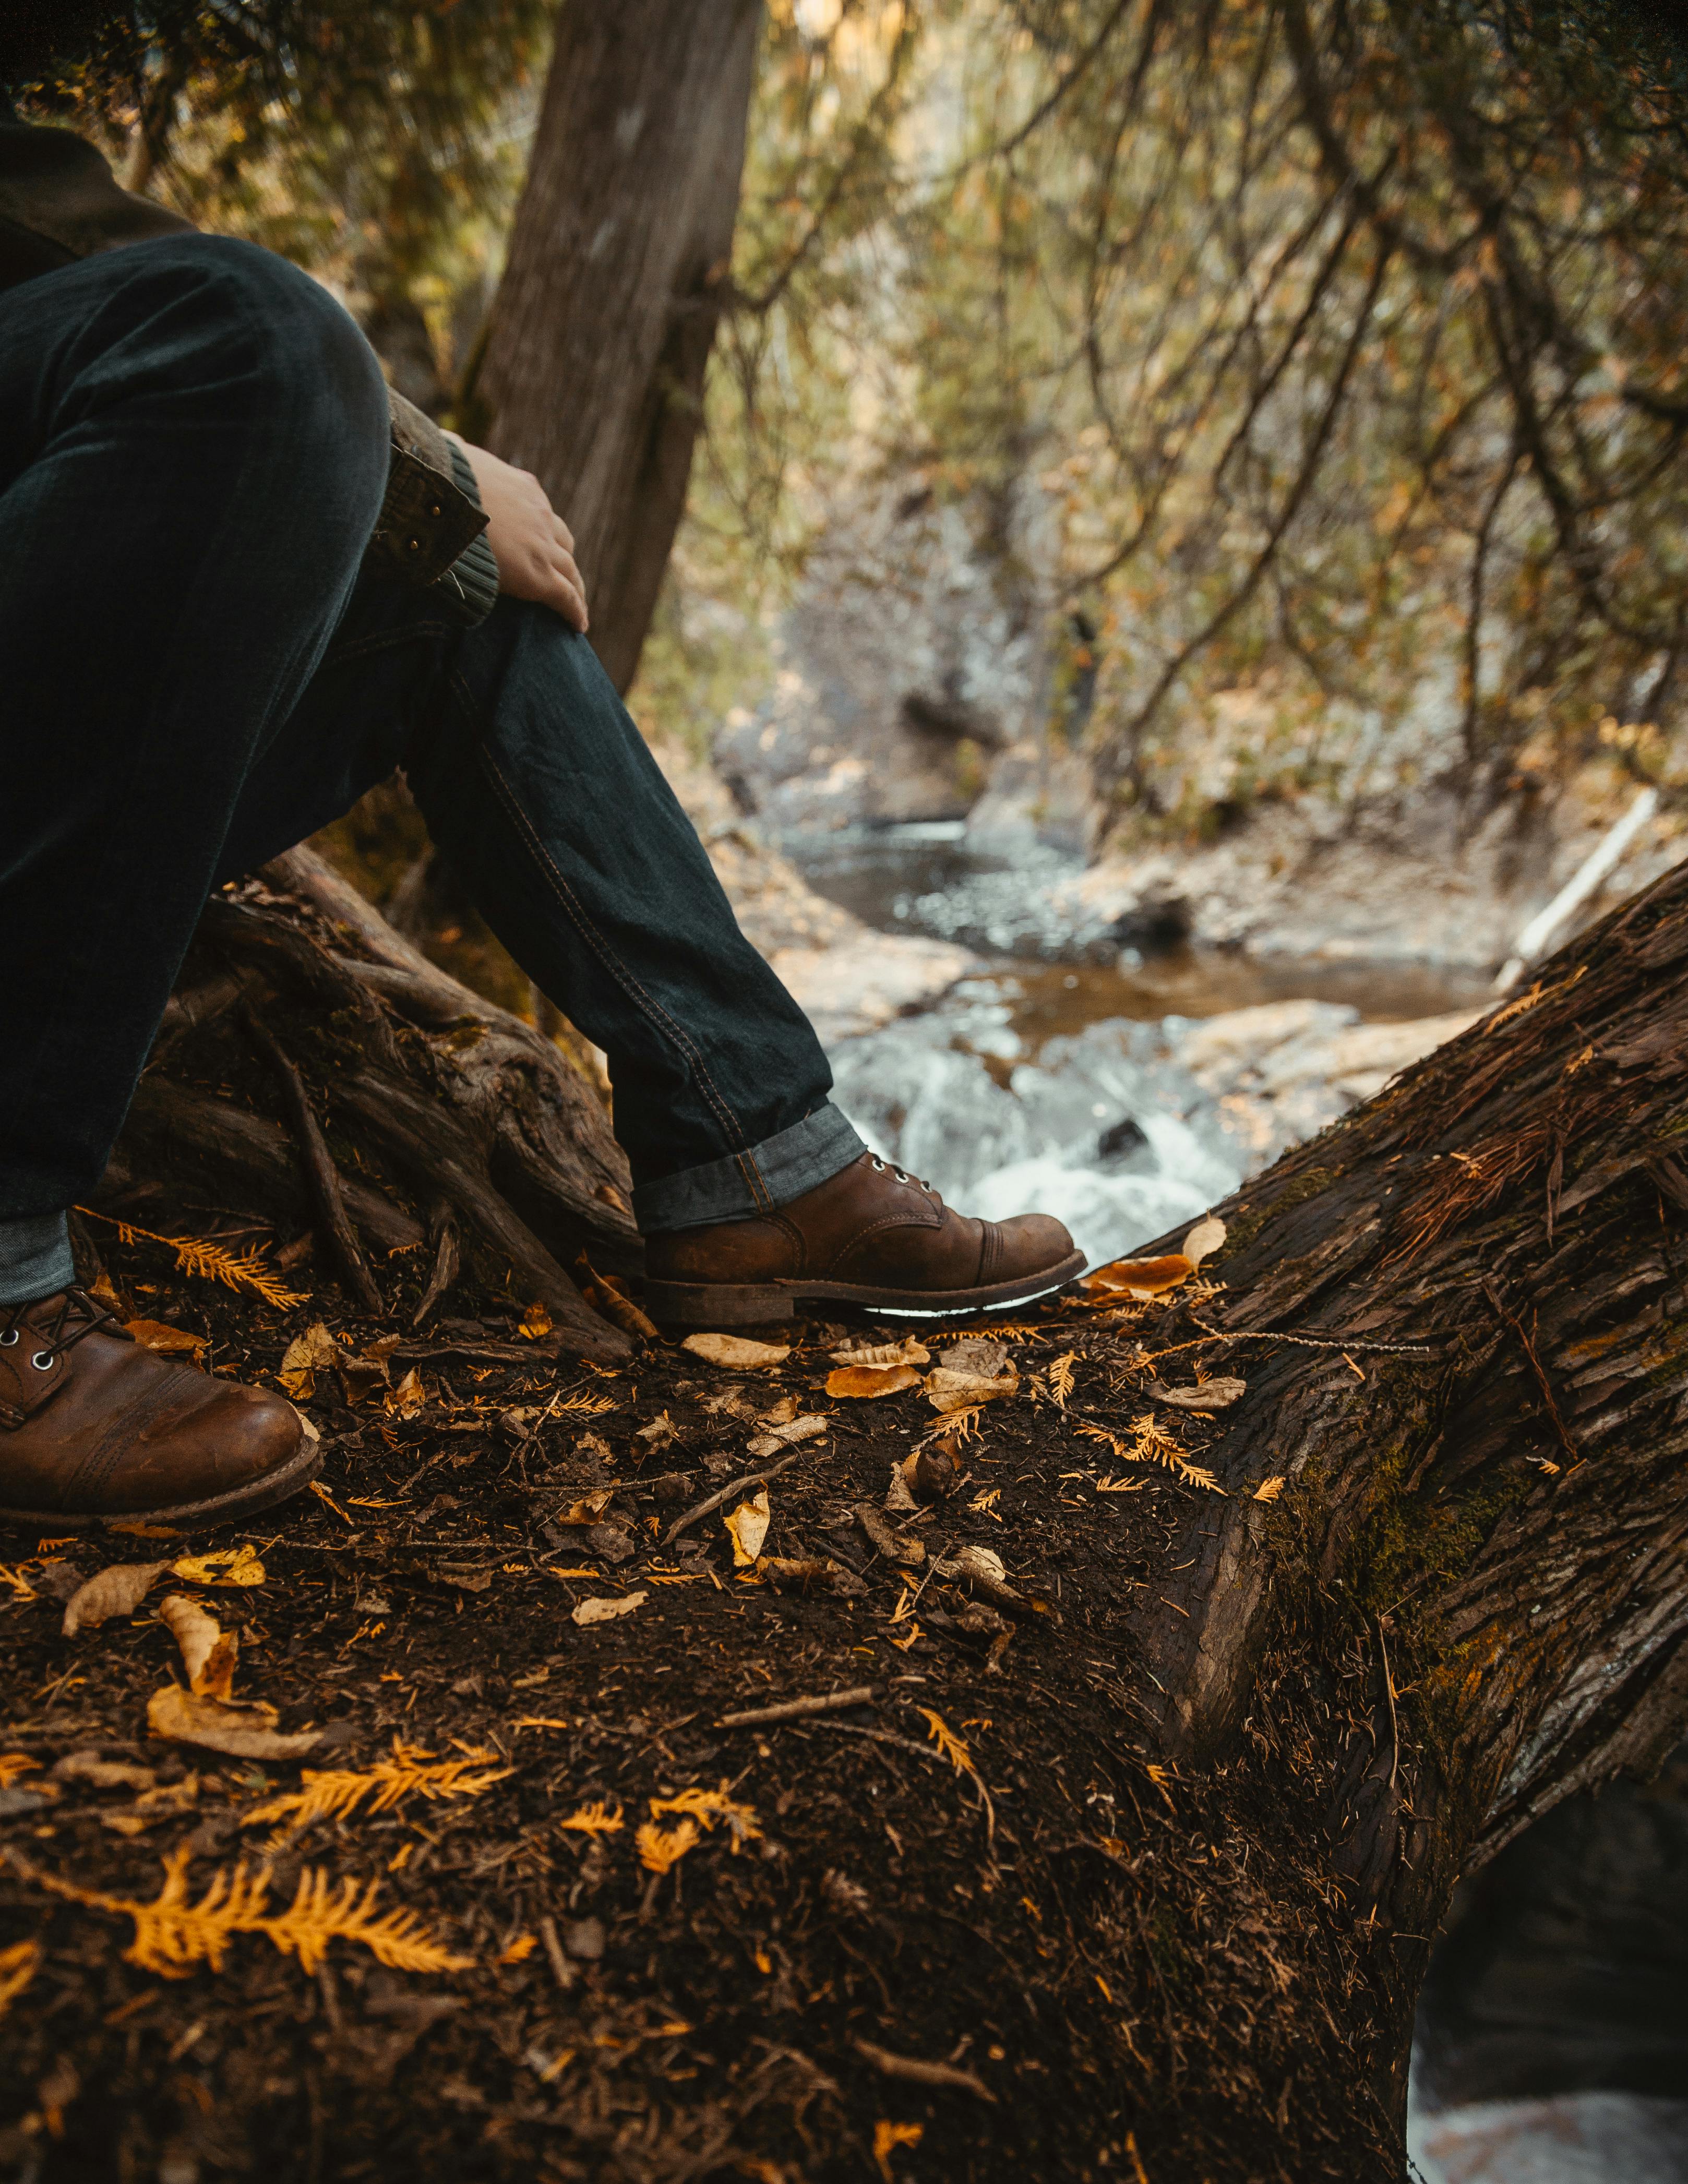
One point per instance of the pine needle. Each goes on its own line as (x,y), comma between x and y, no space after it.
(336,1793)
(1148,1443)
(21,1587)
(211,1263)
(953,1748)
(18,1966)
(594,1820)
(172,1934)
(662,1848)
(1060,1378)
(591,1405)
(709,1805)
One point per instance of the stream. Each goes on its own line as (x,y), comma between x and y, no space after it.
(1123,1089)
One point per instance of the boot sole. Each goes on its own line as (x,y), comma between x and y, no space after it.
(749,1304)
(247,1501)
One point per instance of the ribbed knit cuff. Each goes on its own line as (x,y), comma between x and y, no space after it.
(35,1257)
(769,1175)
(473,575)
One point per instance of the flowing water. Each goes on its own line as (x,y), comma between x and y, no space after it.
(1055,1080)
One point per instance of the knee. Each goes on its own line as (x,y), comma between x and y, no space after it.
(251,330)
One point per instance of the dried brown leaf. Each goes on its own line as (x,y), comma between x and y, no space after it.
(779,1437)
(908,1351)
(1206,1395)
(168,1341)
(737,1351)
(588,1509)
(599,1609)
(949,1388)
(239,1729)
(208,1653)
(1204,1239)
(747,1527)
(1140,1278)
(307,1355)
(118,1590)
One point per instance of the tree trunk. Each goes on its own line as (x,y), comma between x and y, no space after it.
(316,1076)
(1470,1596)
(593,369)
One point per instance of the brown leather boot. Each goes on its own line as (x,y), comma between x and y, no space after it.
(95,1427)
(869,1236)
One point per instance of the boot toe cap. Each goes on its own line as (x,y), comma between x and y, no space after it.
(1033,1244)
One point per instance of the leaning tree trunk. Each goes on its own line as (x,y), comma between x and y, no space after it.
(1462,1314)
(592,374)
(317,1075)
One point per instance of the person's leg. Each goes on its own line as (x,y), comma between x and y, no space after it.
(192,452)
(752,1190)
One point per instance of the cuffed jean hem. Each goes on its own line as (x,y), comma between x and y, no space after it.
(35,1257)
(772,1173)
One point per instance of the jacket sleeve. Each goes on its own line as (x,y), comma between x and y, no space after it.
(431,529)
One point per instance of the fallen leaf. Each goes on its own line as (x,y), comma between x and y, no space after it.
(593,1819)
(1206,1395)
(736,1350)
(1139,1277)
(659,1433)
(588,1509)
(14,1763)
(307,1355)
(222,1566)
(950,1388)
(779,1437)
(165,1803)
(748,1527)
(892,1545)
(101,1774)
(536,1323)
(887,2136)
(908,1351)
(1267,1491)
(808,1569)
(983,1568)
(168,1341)
(782,1412)
(1204,1239)
(600,1610)
(408,1398)
(208,1653)
(899,1495)
(118,1590)
(520,1950)
(979,1353)
(662,1848)
(240,1729)
(870,1380)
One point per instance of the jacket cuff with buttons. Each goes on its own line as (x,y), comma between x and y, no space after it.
(431,528)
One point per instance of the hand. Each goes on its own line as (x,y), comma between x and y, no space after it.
(532,544)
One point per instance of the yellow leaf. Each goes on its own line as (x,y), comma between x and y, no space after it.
(594,1820)
(1145,1278)
(410,1398)
(13,1764)
(208,1653)
(662,1848)
(520,1950)
(307,1355)
(709,1805)
(588,1510)
(1268,1490)
(868,1381)
(887,2136)
(536,1324)
(736,1350)
(118,1590)
(748,1527)
(223,1566)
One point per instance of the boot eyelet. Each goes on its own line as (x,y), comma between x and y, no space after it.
(8,1338)
(42,1360)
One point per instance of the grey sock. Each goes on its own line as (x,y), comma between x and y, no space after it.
(35,1257)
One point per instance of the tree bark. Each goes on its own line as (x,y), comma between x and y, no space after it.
(593,369)
(1470,1596)
(316,1075)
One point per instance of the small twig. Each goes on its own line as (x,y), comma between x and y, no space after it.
(795,1709)
(1343,1342)
(1394,1719)
(448,1257)
(916,2073)
(884,1736)
(724,1493)
(1512,1320)
(561,1970)
(321,1177)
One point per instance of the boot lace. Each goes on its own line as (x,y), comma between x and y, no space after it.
(902,1175)
(77,1315)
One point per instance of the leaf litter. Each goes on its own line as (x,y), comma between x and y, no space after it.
(553,1837)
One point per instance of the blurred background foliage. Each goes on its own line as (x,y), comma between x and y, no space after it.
(1332,353)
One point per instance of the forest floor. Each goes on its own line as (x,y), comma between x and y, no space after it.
(965,1927)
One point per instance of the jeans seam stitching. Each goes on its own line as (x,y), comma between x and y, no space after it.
(651,1007)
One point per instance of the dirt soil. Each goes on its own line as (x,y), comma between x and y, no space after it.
(966,1928)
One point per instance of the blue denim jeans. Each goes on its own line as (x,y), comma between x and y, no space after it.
(194,675)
